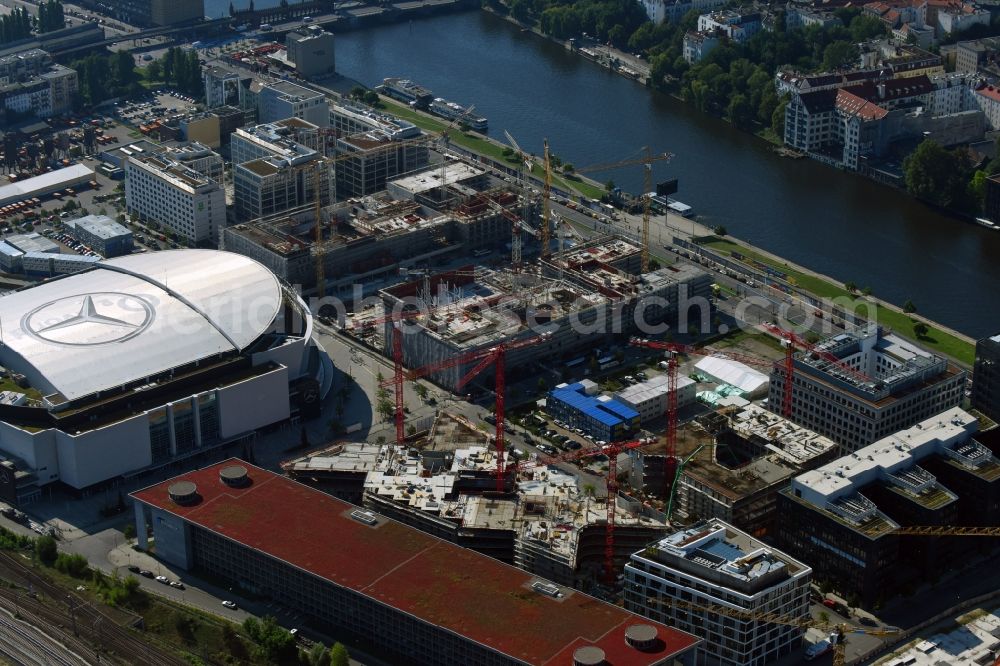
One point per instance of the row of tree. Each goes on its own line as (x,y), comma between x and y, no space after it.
(15,26)
(276,645)
(180,69)
(50,16)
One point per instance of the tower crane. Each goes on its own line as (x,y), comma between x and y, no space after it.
(671,462)
(841,629)
(612,451)
(546,203)
(647,161)
(791,340)
(483,358)
(672,466)
(523,163)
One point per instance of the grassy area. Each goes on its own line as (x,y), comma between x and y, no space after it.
(8,384)
(484,146)
(899,322)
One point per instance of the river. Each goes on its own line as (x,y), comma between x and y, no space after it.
(832,222)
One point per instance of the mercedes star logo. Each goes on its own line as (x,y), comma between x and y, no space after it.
(89,319)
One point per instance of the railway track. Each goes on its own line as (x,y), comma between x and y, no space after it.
(74,620)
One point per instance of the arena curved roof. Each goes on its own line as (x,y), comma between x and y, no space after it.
(135,317)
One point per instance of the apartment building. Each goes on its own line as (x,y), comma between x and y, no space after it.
(179,198)
(311,50)
(714,564)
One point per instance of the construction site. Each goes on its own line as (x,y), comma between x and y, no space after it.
(369,240)
(733,463)
(445,484)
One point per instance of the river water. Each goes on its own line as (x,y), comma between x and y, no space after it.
(832,222)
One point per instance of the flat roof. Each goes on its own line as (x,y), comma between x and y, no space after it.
(32,242)
(53,180)
(733,373)
(439,583)
(101,226)
(430,178)
(609,411)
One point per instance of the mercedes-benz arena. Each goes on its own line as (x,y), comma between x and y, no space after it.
(149,358)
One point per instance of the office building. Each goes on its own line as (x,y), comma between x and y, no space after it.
(649,398)
(225,87)
(842,517)
(866,384)
(376,158)
(421,600)
(277,100)
(175,196)
(32,242)
(191,350)
(986,378)
(198,157)
(712,563)
(348,118)
(601,417)
(101,234)
(311,50)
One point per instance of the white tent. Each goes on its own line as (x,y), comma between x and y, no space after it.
(727,371)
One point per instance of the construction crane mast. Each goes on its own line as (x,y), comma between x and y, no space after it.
(671,463)
(484,358)
(546,203)
(647,161)
(523,163)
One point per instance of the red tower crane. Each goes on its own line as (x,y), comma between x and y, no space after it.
(483,358)
(791,341)
(670,464)
(612,451)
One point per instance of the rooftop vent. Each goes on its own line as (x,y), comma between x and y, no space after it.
(183,493)
(588,656)
(234,476)
(545,588)
(641,636)
(366,517)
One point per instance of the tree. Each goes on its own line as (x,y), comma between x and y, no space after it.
(739,112)
(920,329)
(909,307)
(358,93)
(318,655)
(129,531)
(719,230)
(274,644)
(46,550)
(866,291)
(542,384)
(778,117)
(937,175)
(609,186)
(339,655)
(232,10)
(154,71)
(850,286)
(838,55)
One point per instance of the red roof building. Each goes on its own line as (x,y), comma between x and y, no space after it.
(408,593)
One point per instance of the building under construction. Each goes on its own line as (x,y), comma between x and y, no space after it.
(737,460)
(578,304)
(369,240)
(543,522)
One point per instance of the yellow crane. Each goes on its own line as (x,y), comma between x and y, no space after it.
(840,629)
(647,161)
(546,208)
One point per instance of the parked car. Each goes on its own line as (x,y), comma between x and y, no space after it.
(176,583)
(163,579)
(145,574)
(134,569)
(867,621)
(230,604)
